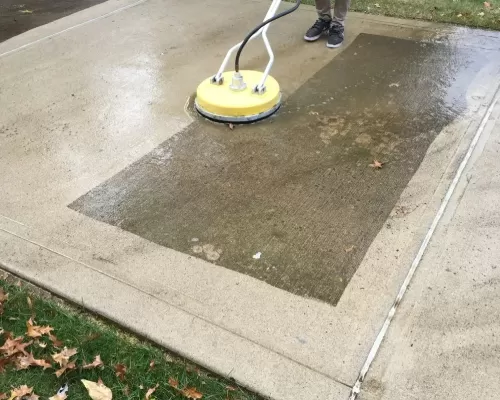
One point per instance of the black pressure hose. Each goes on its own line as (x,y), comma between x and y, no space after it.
(245,41)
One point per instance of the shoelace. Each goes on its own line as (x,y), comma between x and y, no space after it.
(320,24)
(336,29)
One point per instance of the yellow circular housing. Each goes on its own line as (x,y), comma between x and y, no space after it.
(221,103)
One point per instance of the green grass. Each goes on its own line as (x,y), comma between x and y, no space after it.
(463,12)
(92,337)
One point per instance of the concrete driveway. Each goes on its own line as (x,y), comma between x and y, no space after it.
(119,198)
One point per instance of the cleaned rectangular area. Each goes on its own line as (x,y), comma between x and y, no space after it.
(298,188)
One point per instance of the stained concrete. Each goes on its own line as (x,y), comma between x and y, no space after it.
(299,188)
(445,339)
(127,66)
(18,16)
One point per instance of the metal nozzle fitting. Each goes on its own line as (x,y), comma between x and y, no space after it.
(237,82)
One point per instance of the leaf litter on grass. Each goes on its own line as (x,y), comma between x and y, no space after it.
(30,352)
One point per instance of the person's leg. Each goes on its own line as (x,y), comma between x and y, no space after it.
(322,25)
(324,9)
(336,33)
(340,11)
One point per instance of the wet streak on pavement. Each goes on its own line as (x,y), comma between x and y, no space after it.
(297,188)
(18,16)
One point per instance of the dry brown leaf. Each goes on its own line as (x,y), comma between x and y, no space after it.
(3,296)
(377,164)
(231,126)
(14,346)
(3,363)
(55,341)
(120,370)
(3,396)
(151,365)
(63,357)
(231,388)
(349,249)
(98,391)
(191,393)
(96,363)
(59,397)
(30,303)
(30,361)
(21,391)
(151,391)
(487,4)
(173,382)
(41,344)
(67,367)
(35,331)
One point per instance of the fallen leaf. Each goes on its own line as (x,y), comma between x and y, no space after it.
(58,397)
(30,303)
(30,361)
(19,283)
(231,388)
(173,382)
(3,363)
(3,296)
(151,365)
(67,367)
(487,4)
(61,394)
(97,391)
(30,397)
(96,363)
(191,393)
(349,249)
(377,164)
(126,390)
(120,370)
(21,391)
(377,5)
(55,341)
(3,396)
(459,15)
(63,357)
(481,14)
(231,126)
(151,391)
(35,331)
(14,346)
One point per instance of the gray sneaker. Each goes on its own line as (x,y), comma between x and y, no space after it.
(335,36)
(320,27)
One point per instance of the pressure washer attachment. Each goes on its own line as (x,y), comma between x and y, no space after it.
(243,96)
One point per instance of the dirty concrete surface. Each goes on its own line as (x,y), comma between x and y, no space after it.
(445,339)
(120,76)
(299,188)
(18,16)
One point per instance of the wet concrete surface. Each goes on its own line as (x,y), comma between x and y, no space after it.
(297,188)
(18,16)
